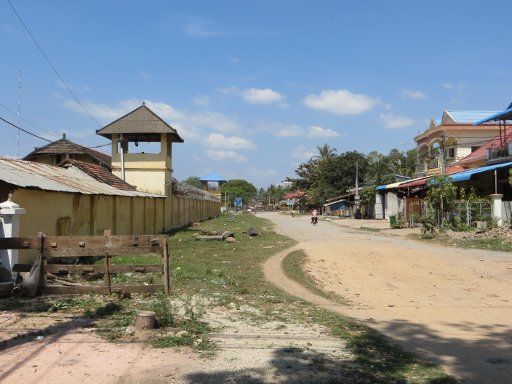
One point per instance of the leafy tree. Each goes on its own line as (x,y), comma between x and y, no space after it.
(239,188)
(194,181)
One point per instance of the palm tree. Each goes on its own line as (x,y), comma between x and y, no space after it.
(326,152)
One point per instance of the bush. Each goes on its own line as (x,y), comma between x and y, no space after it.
(428,224)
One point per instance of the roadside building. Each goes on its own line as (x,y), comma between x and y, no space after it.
(452,138)
(132,135)
(63,149)
(213,183)
(82,197)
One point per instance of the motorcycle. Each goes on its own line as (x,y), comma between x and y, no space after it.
(314,220)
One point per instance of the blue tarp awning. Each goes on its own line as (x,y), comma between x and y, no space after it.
(466,175)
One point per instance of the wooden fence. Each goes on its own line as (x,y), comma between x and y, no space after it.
(55,248)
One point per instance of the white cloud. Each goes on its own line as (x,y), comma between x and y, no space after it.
(201,101)
(190,125)
(316,131)
(216,140)
(448,86)
(302,153)
(413,95)
(202,29)
(219,154)
(281,130)
(102,111)
(261,96)
(395,122)
(341,102)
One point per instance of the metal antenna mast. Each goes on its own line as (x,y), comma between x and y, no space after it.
(19,116)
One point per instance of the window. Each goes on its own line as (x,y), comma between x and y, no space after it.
(450,153)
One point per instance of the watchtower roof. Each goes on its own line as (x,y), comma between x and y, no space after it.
(141,124)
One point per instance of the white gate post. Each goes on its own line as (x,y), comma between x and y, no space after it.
(10,213)
(496,208)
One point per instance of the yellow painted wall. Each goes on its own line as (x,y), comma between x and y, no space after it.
(61,213)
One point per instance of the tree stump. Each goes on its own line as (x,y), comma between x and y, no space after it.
(145,320)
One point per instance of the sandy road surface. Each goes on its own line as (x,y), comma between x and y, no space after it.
(452,304)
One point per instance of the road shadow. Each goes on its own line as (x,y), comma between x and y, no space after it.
(296,366)
(477,353)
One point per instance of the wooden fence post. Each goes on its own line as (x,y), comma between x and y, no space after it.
(107,273)
(108,241)
(43,259)
(165,260)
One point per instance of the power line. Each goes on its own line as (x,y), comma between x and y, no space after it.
(21,118)
(42,138)
(51,65)
(24,130)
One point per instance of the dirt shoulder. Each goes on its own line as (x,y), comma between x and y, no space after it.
(451,304)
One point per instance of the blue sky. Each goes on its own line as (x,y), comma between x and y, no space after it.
(254,87)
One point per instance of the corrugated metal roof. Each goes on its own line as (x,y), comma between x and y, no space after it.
(388,186)
(466,175)
(140,121)
(187,190)
(28,174)
(503,115)
(466,116)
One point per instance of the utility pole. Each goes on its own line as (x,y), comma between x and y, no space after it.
(443,155)
(356,196)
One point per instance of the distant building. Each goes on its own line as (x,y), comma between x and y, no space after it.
(64,149)
(455,135)
(212,183)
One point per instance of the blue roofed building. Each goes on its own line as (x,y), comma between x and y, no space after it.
(212,183)
(451,138)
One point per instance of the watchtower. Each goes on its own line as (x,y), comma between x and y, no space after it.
(149,171)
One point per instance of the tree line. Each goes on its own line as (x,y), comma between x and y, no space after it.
(328,174)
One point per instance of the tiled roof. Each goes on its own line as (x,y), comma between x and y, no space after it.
(481,153)
(64,146)
(100,173)
(140,121)
(465,116)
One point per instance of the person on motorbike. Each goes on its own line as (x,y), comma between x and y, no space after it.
(314,217)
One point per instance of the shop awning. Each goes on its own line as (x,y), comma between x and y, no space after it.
(388,186)
(418,182)
(466,175)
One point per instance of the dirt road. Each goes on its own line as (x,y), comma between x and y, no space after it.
(451,304)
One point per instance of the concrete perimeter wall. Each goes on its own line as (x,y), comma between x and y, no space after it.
(61,213)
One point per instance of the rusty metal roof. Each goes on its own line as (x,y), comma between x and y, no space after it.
(141,123)
(28,174)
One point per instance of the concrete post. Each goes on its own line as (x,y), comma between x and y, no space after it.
(496,208)
(10,213)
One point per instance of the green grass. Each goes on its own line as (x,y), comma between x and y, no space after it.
(292,266)
(232,274)
(370,229)
(491,244)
